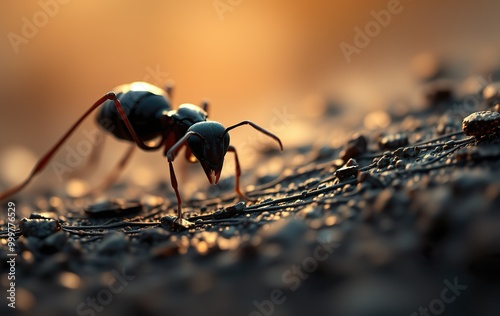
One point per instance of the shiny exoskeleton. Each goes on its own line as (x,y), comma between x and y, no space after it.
(140,112)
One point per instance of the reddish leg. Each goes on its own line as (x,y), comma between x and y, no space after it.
(171,153)
(232,149)
(42,163)
(173,182)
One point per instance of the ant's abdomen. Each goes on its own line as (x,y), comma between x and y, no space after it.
(143,104)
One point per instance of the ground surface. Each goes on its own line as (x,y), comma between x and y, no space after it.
(402,220)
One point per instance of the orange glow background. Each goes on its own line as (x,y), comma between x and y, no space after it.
(263,55)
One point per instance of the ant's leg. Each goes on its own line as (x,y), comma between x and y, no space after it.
(115,173)
(42,163)
(173,181)
(170,153)
(123,116)
(46,158)
(231,148)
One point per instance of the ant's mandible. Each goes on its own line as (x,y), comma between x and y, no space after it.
(140,112)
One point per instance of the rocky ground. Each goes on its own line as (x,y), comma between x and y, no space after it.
(399,220)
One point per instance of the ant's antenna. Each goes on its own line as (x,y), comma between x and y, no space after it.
(257,127)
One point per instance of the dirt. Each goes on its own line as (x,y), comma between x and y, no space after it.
(402,220)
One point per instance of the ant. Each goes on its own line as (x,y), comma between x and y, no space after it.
(140,112)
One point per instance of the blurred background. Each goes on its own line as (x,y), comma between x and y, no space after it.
(271,62)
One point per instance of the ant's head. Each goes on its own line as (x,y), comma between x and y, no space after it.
(209,144)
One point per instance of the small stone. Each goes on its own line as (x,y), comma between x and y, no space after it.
(111,208)
(171,223)
(383,162)
(481,123)
(410,152)
(356,146)
(351,162)
(39,228)
(393,141)
(400,164)
(230,211)
(346,173)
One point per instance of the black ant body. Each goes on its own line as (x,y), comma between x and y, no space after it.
(140,112)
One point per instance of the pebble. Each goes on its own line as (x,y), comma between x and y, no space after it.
(383,162)
(351,162)
(393,141)
(346,173)
(39,228)
(111,208)
(171,223)
(230,211)
(400,164)
(410,152)
(356,146)
(481,123)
